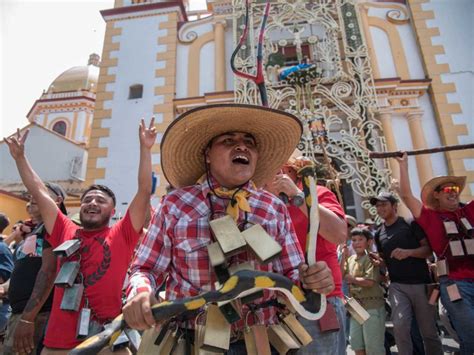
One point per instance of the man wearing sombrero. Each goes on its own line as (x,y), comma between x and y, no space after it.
(217,157)
(440,207)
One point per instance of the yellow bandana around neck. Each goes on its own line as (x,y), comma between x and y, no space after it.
(238,201)
(240,198)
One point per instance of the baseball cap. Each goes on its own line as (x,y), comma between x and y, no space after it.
(384,196)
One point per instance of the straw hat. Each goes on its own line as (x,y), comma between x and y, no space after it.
(427,196)
(182,148)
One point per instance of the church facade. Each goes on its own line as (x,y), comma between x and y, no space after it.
(414,89)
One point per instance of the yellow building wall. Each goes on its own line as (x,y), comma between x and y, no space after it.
(14,208)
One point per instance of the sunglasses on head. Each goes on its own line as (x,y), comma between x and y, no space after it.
(449,189)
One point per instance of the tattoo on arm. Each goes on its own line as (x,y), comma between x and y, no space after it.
(43,285)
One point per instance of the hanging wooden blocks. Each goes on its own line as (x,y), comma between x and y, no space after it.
(357,311)
(67,274)
(281,340)
(295,327)
(263,246)
(216,256)
(442,268)
(217,331)
(72,297)
(67,248)
(228,235)
(455,246)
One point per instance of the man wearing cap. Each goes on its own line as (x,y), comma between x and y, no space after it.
(217,157)
(404,249)
(104,253)
(439,206)
(35,263)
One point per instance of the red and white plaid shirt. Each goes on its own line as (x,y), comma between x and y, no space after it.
(175,245)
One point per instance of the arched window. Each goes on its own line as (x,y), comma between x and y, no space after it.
(60,127)
(136,92)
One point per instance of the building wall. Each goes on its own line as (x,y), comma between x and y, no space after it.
(444,30)
(14,208)
(49,155)
(138,49)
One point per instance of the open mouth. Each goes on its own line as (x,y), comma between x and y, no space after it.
(240,159)
(92,212)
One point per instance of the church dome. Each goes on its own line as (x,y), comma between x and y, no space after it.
(78,78)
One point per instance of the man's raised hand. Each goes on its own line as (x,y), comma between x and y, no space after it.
(147,135)
(16,144)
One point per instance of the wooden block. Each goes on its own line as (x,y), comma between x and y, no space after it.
(358,312)
(442,268)
(450,228)
(263,246)
(228,235)
(168,342)
(456,248)
(67,274)
(217,332)
(250,342)
(147,344)
(303,337)
(329,322)
(216,256)
(466,225)
(260,336)
(453,293)
(469,244)
(281,340)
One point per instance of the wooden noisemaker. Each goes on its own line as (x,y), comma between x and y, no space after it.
(228,235)
(453,293)
(442,268)
(357,312)
(281,340)
(264,247)
(217,330)
(455,243)
(72,297)
(147,344)
(198,334)
(67,248)
(67,274)
(468,232)
(296,328)
(256,338)
(218,262)
(169,341)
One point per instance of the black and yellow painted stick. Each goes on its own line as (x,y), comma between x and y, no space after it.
(238,285)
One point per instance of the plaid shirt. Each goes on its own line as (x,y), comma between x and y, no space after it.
(175,245)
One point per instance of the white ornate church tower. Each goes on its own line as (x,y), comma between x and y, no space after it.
(136,80)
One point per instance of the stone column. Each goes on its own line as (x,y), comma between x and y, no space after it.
(423,162)
(219,56)
(385,118)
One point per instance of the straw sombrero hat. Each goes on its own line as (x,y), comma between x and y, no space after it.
(182,148)
(427,191)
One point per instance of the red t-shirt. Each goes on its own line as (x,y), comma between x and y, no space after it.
(105,257)
(325,250)
(432,223)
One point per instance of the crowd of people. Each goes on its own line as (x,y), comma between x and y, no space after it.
(62,281)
